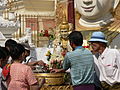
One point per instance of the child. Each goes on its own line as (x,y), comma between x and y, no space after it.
(21,75)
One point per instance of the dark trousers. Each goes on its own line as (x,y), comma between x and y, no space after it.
(98,88)
(84,87)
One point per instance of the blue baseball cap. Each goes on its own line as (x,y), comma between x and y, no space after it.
(98,37)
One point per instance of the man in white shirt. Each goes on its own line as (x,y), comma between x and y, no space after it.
(107,62)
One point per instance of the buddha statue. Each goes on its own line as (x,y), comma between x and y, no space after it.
(61,42)
(96,15)
(64,40)
(65,29)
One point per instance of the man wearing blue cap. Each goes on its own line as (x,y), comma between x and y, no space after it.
(107,62)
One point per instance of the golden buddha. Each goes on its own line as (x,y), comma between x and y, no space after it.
(64,31)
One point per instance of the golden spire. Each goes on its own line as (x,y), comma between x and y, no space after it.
(64,25)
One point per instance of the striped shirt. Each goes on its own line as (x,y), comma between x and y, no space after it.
(81,64)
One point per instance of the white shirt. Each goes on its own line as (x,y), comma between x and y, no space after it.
(107,66)
(29,59)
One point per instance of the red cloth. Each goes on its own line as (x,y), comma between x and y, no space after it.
(6,71)
(85,46)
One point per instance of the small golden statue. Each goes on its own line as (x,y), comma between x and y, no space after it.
(65,29)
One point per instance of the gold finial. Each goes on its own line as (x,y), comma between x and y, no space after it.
(64,25)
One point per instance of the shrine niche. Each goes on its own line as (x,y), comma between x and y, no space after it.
(92,19)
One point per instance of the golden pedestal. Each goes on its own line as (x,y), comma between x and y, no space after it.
(51,78)
(53,81)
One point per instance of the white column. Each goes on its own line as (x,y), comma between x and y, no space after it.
(40,24)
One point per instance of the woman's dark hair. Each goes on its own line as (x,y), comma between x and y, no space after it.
(11,47)
(76,37)
(4,54)
(7,53)
(9,42)
(17,51)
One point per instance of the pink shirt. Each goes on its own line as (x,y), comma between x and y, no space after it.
(21,77)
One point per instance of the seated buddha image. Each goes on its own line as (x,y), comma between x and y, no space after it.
(104,15)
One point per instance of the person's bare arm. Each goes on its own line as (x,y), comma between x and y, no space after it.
(40,62)
(57,70)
